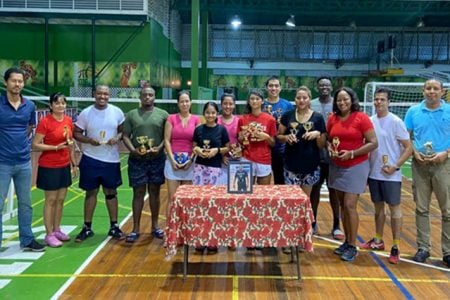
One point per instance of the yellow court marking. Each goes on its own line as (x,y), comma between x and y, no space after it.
(235,278)
(235,291)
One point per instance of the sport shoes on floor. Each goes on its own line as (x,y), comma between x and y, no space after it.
(372,245)
(61,236)
(315,229)
(394,257)
(115,232)
(421,255)
(341,249)
(350,253)
(337,234)
(34,246)
(52,241)
(84,234)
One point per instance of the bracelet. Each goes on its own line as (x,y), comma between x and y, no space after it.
(352,154)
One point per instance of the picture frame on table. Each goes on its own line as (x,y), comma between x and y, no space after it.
(239,177)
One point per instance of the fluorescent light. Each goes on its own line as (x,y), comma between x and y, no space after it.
(236,22)
(291,21)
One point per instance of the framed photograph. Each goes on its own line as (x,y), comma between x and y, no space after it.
(240,177)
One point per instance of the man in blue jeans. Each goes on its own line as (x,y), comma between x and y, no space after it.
(17,118)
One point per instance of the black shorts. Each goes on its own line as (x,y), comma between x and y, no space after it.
(94,173)
(146,171)
(385,191)
(52,179)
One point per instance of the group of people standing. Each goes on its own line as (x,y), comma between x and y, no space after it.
(325,139)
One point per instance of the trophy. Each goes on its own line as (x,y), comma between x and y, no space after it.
(142,140)
(181,157)
(66,134)
(254,129)
(102,135)
(294,129)
(385,159)
(245,134)
(150,143)
(269,109)
(206,146)
(308,126)
(428,149)
(235,151)
(334,147)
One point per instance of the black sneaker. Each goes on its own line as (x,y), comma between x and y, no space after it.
(341,249)
(84,234)
(34,246)
(116,233)
(421,256)
(350,253)
(446,260)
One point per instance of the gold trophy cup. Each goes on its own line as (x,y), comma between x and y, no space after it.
(334,147)
(206,146)
(235,151)
(308,126)
(269,109)
(142,140)
(294,129)
(244,129)
(151,143)
(102,135)
(66,134)
(385,159)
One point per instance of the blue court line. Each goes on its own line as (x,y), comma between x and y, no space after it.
(391,275)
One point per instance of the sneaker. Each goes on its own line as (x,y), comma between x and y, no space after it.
(372,245)
(446,260)
(341,249)
(84,234)
(115,232)
(61,236)
(394,257)
(34,246)
(52,241)
(337,234)
(421,255)
(350,253)
(315,229)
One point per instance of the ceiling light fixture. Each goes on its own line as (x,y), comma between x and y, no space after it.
(236,22)
(291,21)
(420,23)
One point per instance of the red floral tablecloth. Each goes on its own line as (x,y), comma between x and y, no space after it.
(272,216)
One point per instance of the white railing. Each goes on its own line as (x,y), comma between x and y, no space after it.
(135,7)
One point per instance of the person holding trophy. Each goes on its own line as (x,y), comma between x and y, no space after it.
(178,136)
(385,177)
(303,131)
(143,135)
(429,126)
(99,129)
(256,133)
(54,137)
(351,137)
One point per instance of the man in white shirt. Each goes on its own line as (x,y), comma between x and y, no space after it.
(99,128)
(385,177)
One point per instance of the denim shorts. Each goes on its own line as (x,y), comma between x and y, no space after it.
(94,173)
(146,171)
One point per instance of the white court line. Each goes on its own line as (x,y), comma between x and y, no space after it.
(386,255)
(87,261)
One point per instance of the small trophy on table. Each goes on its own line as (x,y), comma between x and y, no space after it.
(429,151)
(142,140)
(102,135)
(294,129)
(66,134)
(335,147)
(308,126)
(385,159)
(151,143)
